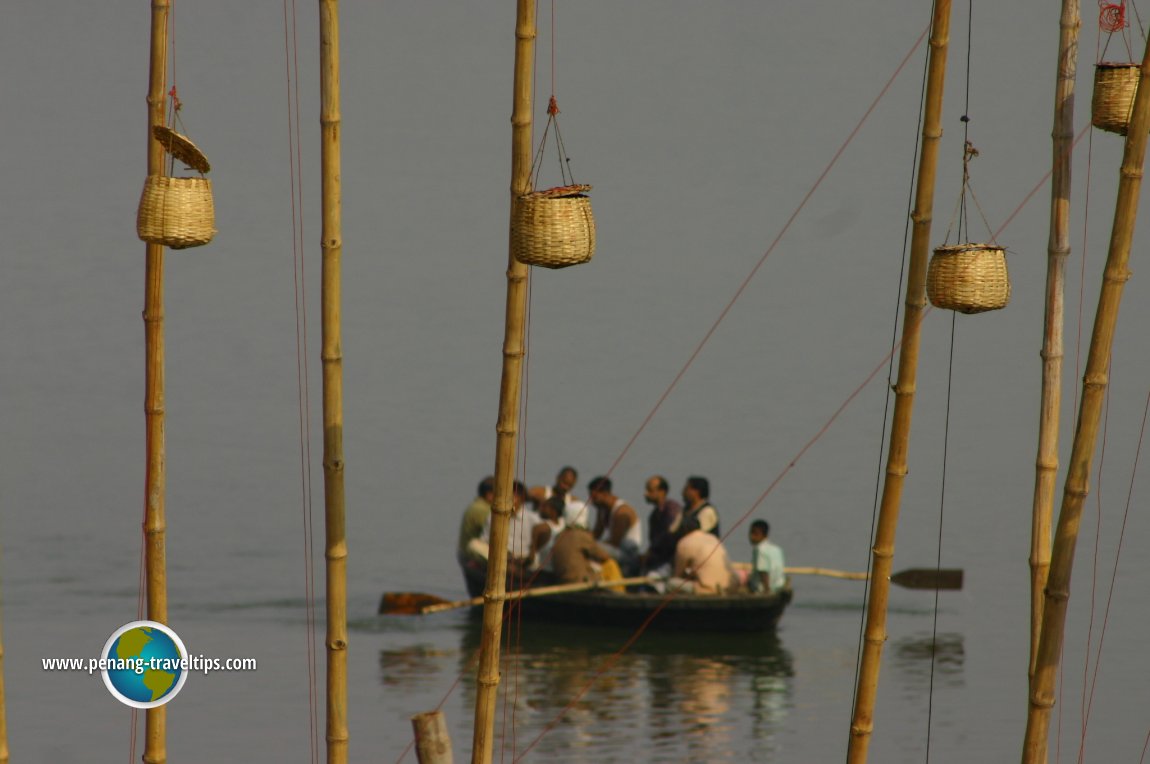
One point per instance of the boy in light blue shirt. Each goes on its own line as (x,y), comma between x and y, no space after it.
(768,572)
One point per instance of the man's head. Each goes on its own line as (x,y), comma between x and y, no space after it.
(520,495)
(656,489)
(600,492)
(552,509)
(759,531)
(696,489)
(486,489)
(565,480)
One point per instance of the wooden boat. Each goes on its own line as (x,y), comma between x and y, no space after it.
(739,612)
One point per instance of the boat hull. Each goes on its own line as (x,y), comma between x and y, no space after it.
(741,612)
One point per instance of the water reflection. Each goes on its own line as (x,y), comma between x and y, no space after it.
(912,657)
(670,697)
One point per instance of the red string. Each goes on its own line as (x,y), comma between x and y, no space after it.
(1111,17)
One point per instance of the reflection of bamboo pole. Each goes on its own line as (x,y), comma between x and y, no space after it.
(155,527)
(507,426)
(862,722)
(332,356)
(1094,382)
(1058,249)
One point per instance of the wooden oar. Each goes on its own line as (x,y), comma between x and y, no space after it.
(913,578)
(416,603)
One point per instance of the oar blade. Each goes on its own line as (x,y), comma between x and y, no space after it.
(929,578)
(407,603)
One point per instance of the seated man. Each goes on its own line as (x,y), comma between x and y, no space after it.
(768,572)
(701,561)
(617,526)
(572,554)
(521,523)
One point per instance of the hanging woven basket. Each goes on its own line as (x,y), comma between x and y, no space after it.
(177,212)
(968,278)
(1113,101)
(553,228)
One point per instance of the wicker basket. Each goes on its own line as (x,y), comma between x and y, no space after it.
(1113,101)
(969,278)
(553,228)
(176,212)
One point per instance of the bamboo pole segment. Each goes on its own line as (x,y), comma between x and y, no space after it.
(862,722)
(1094,383)
(1058,249)
(506,427)
(335,552)
(155,480)
(432,741)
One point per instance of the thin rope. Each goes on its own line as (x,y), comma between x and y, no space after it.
(295,164)
(890,379)
(968,153)
(1114,573)
(941,508)
(774,243)
(1094,571)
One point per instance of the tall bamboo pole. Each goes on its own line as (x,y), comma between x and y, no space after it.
(155,526)
(1094,383)
(1058,249)
(332,357)
(862,723)
(506,428)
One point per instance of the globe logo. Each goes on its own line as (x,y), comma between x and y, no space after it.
(144,664)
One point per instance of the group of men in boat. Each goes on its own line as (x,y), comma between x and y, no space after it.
(555,537)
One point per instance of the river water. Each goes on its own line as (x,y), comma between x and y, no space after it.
(701,127)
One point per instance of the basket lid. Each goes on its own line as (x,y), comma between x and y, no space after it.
(181,148)
(559,192)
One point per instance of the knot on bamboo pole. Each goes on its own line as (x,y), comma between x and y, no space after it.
(488,681)
(905,389)
(337,644)
(515,275)
(1059,594)
(879,640)
(1120,277)
(1047,465)
(861,730)
(1134,173)
(155,317)
(1038,702)
(899,472)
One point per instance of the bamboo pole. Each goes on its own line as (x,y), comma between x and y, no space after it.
(862,722)
(1058,249)
(331,245)
(1094,383)
(506,428)
(155,481)
(432,741)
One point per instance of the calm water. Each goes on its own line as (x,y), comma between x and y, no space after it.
(701,126)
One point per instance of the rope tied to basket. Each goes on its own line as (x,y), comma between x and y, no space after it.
(965,277)
(565,174)
(554,227)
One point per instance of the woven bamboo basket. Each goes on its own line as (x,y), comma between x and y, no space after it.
(1113,101)
(177,212)
(968,278)
(553,228)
